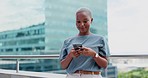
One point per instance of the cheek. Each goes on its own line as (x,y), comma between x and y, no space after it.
(87,25)
(77,25)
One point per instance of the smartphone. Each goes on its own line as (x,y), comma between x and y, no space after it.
(77,46)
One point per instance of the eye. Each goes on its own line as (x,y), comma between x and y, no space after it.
(85,21)
(78,22)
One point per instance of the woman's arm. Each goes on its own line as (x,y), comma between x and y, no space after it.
(65,62)
(101,61)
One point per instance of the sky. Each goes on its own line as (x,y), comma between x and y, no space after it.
(127,22)
(128,26)
(15,14)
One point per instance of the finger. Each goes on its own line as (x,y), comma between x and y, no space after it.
(82,52)
(73,55)
(77,54)
(72,49)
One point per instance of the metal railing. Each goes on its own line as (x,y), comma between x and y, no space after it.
(139,56)
(56,56)
(18,57)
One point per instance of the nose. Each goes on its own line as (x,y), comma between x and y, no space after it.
(82,24)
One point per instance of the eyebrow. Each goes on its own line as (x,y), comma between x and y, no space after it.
(84,19)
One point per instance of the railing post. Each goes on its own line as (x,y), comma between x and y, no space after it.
(106,70)
(17,65)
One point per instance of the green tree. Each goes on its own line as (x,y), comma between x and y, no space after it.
(138,73)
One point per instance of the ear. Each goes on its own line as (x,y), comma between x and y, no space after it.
(91,19)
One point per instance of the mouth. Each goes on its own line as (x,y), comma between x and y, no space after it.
(82,29)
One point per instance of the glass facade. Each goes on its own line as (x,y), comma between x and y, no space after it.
(25,39)
(60,20)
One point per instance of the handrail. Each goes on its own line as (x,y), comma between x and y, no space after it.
(55,56)
(130,56)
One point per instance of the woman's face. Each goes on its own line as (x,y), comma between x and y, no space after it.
(83,22)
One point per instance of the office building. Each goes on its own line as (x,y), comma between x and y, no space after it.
(23,40)
(26,41)
(60,20)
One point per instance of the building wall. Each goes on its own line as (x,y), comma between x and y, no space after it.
(60,20)
(25,39)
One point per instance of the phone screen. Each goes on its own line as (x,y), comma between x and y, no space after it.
(77,46)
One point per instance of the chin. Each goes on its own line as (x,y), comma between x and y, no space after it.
(83,32)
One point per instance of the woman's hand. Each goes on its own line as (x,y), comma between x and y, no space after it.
(74,53)
(87,52)
(65,62)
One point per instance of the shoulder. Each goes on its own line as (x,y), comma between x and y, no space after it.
(97,36)
(69,39)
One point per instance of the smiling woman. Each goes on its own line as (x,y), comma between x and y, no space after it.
(29,12)
(87,61)
(127,24)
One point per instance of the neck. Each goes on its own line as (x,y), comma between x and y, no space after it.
(83,34)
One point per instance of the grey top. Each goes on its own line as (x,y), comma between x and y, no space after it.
(95,42)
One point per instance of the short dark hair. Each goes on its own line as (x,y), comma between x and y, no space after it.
(84,9)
